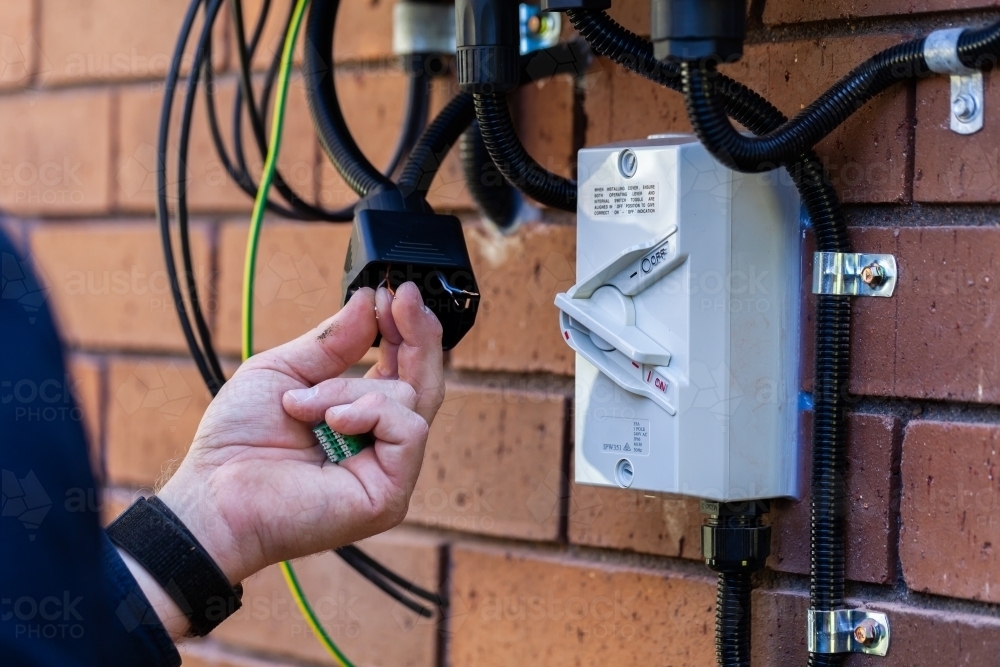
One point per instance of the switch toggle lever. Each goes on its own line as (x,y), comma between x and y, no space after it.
(598,319)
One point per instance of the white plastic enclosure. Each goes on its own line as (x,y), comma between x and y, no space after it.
(685,321)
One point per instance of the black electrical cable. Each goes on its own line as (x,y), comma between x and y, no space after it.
(418,95)
(755,154)
(257,122)
(408,586)
(211,11)
(321,92)
(513,161)
(163,213)
(497,199)
(828,499)
(429,152)
(239,176)
(369,573)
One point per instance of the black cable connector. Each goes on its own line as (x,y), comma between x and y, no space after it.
(487,38)
(697,29)
(734,543)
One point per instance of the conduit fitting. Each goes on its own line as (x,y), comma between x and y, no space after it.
(967,99)
(693,30)
(734,539)
(488,41)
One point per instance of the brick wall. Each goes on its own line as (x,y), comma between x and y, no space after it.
(540,570)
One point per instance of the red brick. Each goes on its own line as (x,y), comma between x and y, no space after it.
(868,157)
(620,105)
(299,269)
(448,193)
(946,332)
(493,464)
(513,607)
(373,103)
(108,285)
(872,483)
(950,537)
(209,186)
(933,338)
(17,44)
(919,636)
(545,114)
(798,11)
(519,275)
(101,40)
(366,624)
(364,31)
(85,376)
(661,524)
(55,152)
(952,167)
(154,407)
(208,653)
(632,14)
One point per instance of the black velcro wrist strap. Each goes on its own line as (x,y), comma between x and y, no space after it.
(163,545)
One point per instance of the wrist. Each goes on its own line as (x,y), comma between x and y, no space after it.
(197,508)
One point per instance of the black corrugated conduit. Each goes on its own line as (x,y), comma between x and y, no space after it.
(513,161)
(447,128)
(334,136)
(608,38)
(703,86)
(498,200)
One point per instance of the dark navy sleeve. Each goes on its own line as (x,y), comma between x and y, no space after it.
(66,597)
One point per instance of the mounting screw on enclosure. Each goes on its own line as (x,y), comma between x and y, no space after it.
(868,632)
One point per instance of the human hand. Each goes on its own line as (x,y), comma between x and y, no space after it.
(256,488)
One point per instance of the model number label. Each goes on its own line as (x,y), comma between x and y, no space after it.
(625,437)
(609,201)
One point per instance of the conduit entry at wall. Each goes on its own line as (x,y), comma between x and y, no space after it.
(494,46)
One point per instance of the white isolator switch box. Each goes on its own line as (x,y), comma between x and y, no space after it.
(685,323)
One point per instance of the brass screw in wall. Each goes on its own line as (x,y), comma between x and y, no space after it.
(868,632)
(872,275)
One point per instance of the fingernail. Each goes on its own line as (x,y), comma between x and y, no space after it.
(337,409)
(302,395)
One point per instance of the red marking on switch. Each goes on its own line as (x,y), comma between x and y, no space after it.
(660,384)
(635,364)
(566,333)
(649,376)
